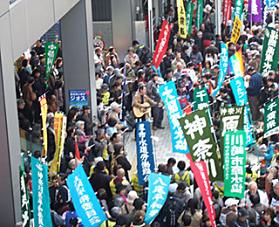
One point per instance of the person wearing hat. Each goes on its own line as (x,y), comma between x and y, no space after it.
(229,212)
(128,206)
(242,218)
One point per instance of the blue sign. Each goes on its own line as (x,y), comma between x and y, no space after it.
(169,96)
(41,201)
(78,98)
(223,66)
(270,4)
(158,188)
(240,96)
(145,158)
(84,199)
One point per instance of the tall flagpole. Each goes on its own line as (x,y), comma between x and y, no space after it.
(150,26)
(218,10)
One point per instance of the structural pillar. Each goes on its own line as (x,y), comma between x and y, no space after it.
(78,52)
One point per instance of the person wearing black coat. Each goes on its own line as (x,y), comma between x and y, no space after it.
(100,179)
(51,140)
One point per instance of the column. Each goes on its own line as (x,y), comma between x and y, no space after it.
(78,52)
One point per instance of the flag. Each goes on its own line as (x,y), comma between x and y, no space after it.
(44,107)
(199,15)
(201,98)
(181,19)
(223,66)
(240,96)
(238,8)
(145,157)
(51,50)
(77,153)
(270,51)
(237,25)
(60,123)
(271,118)
(158,186)
(24,198)
(162,44)
(189,17)
(169,96)
(200,173)
(227,11)
(234,164)
(255,11)
(236,64)
(40,194)
(200,139)
(84,199)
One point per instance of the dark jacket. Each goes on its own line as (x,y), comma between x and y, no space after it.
(255,85)
(99,180)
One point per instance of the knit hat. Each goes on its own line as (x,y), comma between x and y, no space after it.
(132,195)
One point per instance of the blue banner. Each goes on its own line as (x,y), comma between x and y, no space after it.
(41,201)
(84,199)
(158,188)
(169,96)
(270,4)
(145,158)
(158,71)
(223,66)
(240,96)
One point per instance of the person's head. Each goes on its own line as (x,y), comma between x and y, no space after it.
(115,138)
(268,214)
(162,169)
(72,114)
(118,149)
(115,107)
(80,125)
(36,73)
(101,194)
(181,165)
(139,218)
(120,173)
(155,77)
(39,43)
(121,189)
(231,204)
(20,104)
(171,162)
(111,122)
(186,220)
(100,166)
(253,187)
(181,187)
(140,74)
(179,66)
(71,131)
(178,55)
(131,51)
(142,89)
(276,189)
(242,215)
(86,110)
(110,70)
(135,43)
(132,195)
(58,62)
(139,204)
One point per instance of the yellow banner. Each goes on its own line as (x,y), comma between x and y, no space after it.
(59,129)
(43,104)
(182,30)
(236,30)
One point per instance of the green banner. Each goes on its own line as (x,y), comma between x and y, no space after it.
(238,5)
(234,164)
(51,50)
(24,198)
(199,17)
(196,128)
(201,98)
(271,118)
(189,16)
(231,119)
(270,51)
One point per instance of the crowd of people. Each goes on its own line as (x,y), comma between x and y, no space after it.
(131,82)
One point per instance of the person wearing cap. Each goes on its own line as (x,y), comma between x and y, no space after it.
(229,212)
(242,218)
(253,92)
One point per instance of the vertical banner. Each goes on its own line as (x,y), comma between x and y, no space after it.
(189,16)
(200,172)
(44,107)
(51,50)
(181,19)
(234,164)
(145,157)
(236,64)
(199,17)
(227,11)
(270,5)
(197,131)
(270,51)
(238,4)
(240,96)
(24,198)
(237,25)
(271,118)
(169,96)
(84,199)
(201,98)
(162,44)
(158,185)
(223,66)
(41,201)
(255,11)
(60,124)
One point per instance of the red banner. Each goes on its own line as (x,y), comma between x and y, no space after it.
(200,172)
(162,44)
(227,11)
